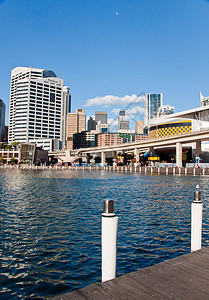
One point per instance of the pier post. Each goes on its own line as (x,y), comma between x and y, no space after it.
(196,221)
(102,158)
(185,171)
(109,241)
(158,170)
(166,171)
(203,171)
(179,155)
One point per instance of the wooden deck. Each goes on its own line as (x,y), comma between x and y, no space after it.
(184,277)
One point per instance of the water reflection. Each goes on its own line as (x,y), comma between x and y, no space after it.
(50,224)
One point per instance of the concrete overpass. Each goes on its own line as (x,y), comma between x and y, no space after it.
(177,140)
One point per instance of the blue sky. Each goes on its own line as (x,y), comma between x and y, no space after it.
(109,47)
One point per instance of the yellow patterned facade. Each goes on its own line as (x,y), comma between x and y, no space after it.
(169,129)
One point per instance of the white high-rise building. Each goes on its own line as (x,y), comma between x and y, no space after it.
(38,106)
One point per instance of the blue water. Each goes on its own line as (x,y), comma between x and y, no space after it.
(50,225)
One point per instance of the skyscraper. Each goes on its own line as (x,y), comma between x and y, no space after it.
(152,105)
(76,122)
(91,124)
(122,123)
(2,120)
(65,111)
(101,116)
(36,104)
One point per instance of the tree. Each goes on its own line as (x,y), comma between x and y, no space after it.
(8,147)
(12,160)
(2,160)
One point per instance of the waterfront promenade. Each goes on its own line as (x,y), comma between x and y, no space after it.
(126,169)
(184,277)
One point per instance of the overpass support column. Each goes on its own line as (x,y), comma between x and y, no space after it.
(151,151)
(198,147)
(179,155)
(136,155)
(102,159)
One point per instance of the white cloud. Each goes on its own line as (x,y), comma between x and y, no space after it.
(112,122)
(110,100)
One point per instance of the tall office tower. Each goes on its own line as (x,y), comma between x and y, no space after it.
(101,116)
(36,103)
(76,122)
(152,105)
(2,120)
(91,124)
(122,123)
(66,109)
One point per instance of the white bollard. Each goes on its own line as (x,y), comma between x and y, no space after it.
(158,170)
(130,169)
(151,170)
(166,171)
(185,171)
(145,170)
(194,171)
(140,169)
(203,171)
(109,241)
(179,171)
(196,221)
(174,170)
(126,169)
(135,169)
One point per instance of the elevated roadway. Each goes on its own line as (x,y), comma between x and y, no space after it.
(177,140)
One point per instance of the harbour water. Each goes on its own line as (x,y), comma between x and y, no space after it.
(50,226)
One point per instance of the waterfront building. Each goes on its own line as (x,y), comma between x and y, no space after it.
(76,122)
(101,116)
(122,122)
(152,104)
(48,144)
(112,138)
(91,124)
(84,139)
(36,104)
(2,120)
(6,154)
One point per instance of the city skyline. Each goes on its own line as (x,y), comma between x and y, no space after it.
(110,51)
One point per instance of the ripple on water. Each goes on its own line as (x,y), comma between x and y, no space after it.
(50,224)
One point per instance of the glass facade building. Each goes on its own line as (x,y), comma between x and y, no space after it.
(152,104)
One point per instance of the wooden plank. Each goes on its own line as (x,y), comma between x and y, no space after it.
(184,277)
